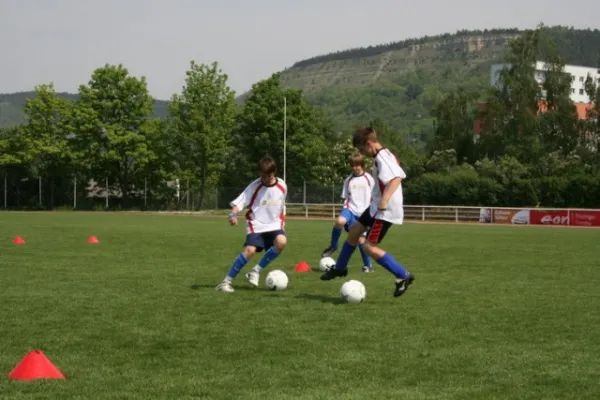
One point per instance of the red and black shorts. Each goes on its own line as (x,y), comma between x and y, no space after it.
(377,228)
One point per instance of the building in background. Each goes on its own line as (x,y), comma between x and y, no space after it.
(579,75)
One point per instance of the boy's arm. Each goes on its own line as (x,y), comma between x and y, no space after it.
(345,189)
(240,203)
(391,174)
(390,188)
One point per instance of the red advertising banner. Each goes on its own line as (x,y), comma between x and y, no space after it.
(584,218)
(549,217)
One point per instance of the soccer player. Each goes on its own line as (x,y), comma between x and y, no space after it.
(357,193)
(265,220)
(385,210)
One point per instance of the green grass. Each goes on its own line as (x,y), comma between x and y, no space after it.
(496,312)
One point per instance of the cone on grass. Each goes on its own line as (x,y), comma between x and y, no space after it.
(93,240)
(35,365)
(302,266)
(18,240)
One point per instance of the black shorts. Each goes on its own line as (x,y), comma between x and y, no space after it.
(263,240)
(377,228)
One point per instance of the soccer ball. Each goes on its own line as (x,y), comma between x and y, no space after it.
(276,280)
(326,264)
(353,292)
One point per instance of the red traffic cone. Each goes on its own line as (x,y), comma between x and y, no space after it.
(35,365)
(302,266)
(18,240)
(93,240)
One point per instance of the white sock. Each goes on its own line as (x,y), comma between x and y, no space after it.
(227,279)
(257,269)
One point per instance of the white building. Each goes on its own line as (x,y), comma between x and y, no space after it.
(578,73)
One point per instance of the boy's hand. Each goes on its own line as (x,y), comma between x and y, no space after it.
(382,205)
(233,219)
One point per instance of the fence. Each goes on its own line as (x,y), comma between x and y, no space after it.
(27,193)
(308,201)
(466,214)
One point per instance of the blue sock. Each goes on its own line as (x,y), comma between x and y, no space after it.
(365,257)
(344,257)
(237,266)
(269,256)
(335,236)
(388,262)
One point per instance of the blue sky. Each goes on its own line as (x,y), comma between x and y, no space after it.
(63,41)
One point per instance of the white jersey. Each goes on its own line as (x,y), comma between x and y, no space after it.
(266,206)
(358,192)
(385,168)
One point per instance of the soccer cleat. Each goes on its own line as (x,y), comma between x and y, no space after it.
(368,269)
(253,278)
(402,286)
(225,286)
(334,273)
(328,252)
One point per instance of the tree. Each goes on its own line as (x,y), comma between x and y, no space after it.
(260,130)
(113,127)
(203,116)
(454,120)
(591,126)
(48,129)
(510,118)
(558,120)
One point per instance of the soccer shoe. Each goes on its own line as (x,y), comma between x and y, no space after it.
(253,278)
(402,286)
(225,286)
(368,269)
(328,252)
(334,273)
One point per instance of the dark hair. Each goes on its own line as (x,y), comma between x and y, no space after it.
(267,165)
(357,159)
(363,135)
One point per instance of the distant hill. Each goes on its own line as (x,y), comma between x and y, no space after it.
(399,82)
(11,106)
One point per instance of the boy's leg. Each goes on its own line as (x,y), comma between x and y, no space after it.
(374,236)
(356,230)
(275,242)
(250,247)
(336,232)
(367,267)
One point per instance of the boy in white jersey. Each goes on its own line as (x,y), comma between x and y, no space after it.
(386,209)
(265,220)
(357,193)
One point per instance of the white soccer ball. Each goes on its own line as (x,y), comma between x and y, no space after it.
(326,264)
(353,292)
(276,280)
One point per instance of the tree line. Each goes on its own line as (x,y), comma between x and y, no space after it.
(523,156)
(533,149)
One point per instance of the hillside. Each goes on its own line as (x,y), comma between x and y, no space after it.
(399,82)
(11,106)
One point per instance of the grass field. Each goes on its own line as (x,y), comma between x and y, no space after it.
(495,313)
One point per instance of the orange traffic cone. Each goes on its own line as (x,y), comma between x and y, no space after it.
(35,365)
(93,240)
(302,266)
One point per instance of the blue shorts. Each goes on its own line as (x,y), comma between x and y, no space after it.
(350,218)
(262,240)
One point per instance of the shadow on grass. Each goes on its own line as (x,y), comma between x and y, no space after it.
(321,298)
(197,286)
